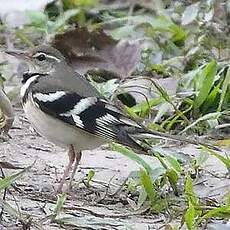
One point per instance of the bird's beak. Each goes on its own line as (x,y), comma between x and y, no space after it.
(18,54)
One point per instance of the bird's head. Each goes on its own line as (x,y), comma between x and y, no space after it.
(41,59)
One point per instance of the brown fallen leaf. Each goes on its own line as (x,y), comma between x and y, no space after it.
(95,50)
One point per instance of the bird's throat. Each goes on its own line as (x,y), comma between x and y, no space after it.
(27,75)
(28,80)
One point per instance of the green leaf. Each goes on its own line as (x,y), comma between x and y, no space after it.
(170,172)
(142,197)
(179,34)
(190,195)
(189,216)
(202,158)
(194,209)
(224,89)
(206,117)
(60,203)
(212,100)
(62,20)
(161,24)
(79,3)
(59,206)
(90,176)
(228,199)
(174,163)
(224,160)
(131,184)
(221,212)
(188,186)
(38,20)
(208,75)
(147,183)
(143,109)
(173,179)
(132,155)
(157,172)
(8,180)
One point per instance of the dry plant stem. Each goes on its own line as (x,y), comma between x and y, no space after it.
(102,215)
(106,191)
(121,187)
(7,110)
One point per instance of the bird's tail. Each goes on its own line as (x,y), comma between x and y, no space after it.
(149,134)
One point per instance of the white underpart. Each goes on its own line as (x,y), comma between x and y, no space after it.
(58,131)
(82,105)
(27,85)
(49,97)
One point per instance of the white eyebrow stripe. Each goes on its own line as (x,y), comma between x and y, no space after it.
(49,97)
(47,55)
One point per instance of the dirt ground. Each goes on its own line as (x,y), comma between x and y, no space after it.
(94,207)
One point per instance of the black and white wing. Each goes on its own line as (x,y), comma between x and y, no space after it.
(91,114)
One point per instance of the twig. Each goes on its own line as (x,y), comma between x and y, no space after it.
(102,215)
(121,187)
(107,190)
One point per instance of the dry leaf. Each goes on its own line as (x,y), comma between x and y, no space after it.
(92,50)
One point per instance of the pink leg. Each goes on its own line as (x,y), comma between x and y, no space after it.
(78,158)
(72,156)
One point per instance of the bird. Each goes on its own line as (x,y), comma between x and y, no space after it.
(66,109)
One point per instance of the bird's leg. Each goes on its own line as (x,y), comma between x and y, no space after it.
(72,157)
(78,158)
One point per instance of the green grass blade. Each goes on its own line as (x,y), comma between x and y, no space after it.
(132,155)
(224,160)
(208,116)
(189,216)
(8,180)
(208,74)
(147,183)
(224,89)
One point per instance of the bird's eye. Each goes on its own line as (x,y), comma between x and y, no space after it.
(41,57)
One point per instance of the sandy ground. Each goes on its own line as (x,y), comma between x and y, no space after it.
(94,207)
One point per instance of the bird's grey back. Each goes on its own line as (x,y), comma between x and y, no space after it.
(67,80)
